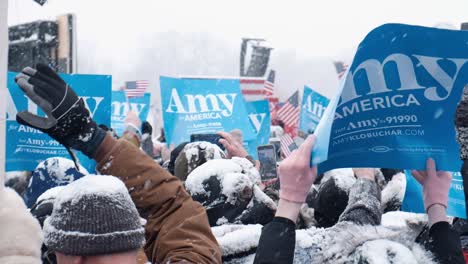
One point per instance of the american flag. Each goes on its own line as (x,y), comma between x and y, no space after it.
(287,145)
(136,88)
(269,86)
(289,112)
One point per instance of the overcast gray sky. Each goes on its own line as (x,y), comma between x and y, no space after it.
(145,38)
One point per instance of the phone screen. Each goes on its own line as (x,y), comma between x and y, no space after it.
(464,26)
(212,138)
(267,158)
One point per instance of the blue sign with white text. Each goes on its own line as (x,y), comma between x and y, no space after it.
(312,109)
(199,106)
(121,105)
(26,147)
(413,201)
(396,103)
(259,116)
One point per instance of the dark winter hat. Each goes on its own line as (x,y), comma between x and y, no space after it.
(332,196)
(94,216)
(50,173)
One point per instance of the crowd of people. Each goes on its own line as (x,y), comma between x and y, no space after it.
(197,203)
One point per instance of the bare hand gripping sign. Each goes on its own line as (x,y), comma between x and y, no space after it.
(396,105)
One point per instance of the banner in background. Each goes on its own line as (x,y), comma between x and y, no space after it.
(396,105)
(413,201)
(312,109)
(120,107)
(198,106)
(26,146)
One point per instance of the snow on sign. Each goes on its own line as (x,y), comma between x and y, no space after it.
(198,106)
(397,102)
(312,109)
(120,107)
(26,146)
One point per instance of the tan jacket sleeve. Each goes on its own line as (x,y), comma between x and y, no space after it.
(177,229)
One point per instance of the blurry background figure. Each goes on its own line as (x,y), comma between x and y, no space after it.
(132,128)
(146,138)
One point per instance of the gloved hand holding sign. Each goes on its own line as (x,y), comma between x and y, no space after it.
(67,121)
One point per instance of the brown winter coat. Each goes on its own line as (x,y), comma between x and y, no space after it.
(177,229)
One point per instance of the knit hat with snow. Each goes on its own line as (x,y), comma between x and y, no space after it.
(94,216)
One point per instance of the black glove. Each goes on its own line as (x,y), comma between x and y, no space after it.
(146,128)
(68,121)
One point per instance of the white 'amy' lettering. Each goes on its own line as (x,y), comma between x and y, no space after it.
(223,103)
(406,74)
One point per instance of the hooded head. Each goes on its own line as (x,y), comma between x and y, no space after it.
(193,155)
(50,173)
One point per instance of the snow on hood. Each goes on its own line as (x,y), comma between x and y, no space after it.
(344,178)
(212,151)
(89,185)
(403,219)
(61,170)
(341,243)
(52,193)
(234,239)
(395,189)
(232,173)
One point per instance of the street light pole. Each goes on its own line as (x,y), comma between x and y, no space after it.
(3,88)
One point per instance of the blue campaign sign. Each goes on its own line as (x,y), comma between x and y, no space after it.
(259,116)
(120,107)
(312,109)
(26,147)
(198,106)
(396,104)
(413,200)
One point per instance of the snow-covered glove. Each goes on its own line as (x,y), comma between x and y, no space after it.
(68,121)
(436,184)
(296,176)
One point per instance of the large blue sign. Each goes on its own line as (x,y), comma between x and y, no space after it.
(259,116)
(197,106)
(413,201)
(26,147)
(121,105)
(396,104)
(312,109)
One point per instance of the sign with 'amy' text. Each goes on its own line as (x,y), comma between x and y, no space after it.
(121,106)
(198,106)
(312,109)
(396,103)
(26,146)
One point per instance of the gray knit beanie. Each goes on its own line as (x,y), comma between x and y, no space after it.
(94,216)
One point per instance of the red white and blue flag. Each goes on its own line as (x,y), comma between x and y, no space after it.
(269,86)
(287,145)
(289,114)
(136,88)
